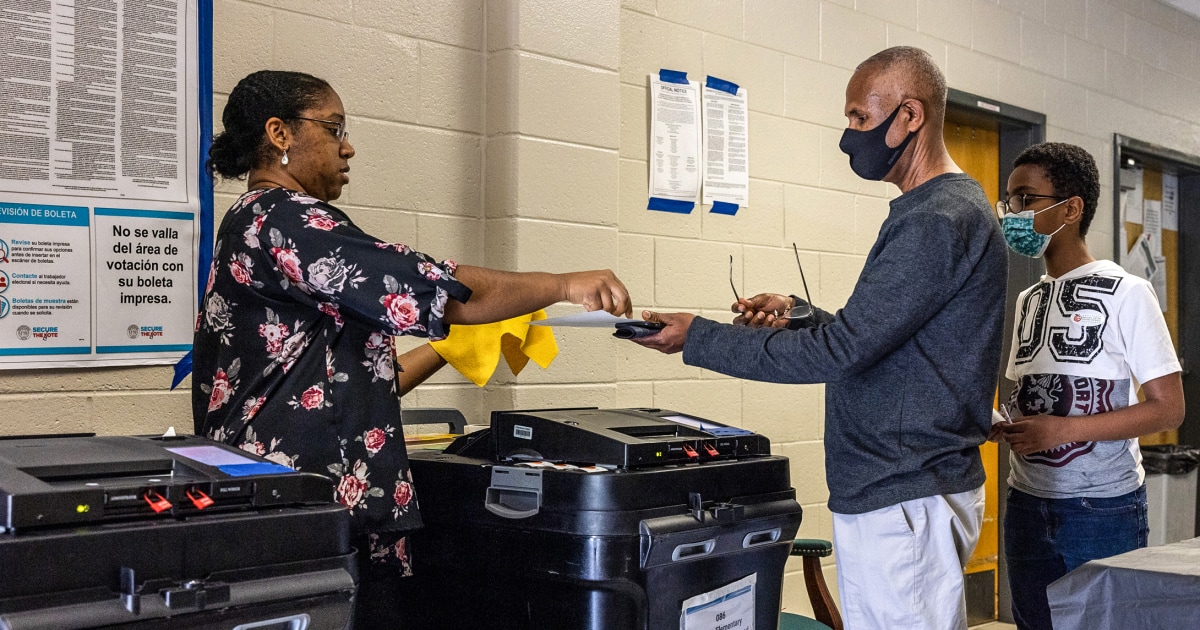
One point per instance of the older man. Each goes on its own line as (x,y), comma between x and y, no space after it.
(910,362)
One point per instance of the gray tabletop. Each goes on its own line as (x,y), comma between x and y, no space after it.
(1155,587)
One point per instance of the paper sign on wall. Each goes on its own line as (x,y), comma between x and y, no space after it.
(1159,281)
(1152,224)
(675,159)
(727,608)
(1170,202)
(100,195)
(726,146)
(1131,183)
(1139,260)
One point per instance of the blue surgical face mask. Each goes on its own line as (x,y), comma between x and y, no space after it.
(1020,235)
(870,156)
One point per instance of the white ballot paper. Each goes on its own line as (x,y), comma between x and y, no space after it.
(589,319)
(731,606)
(674,144)
(726,147)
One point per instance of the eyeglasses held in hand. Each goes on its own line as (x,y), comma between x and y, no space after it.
(798,311)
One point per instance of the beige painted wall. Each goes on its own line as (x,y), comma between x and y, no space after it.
(513,133)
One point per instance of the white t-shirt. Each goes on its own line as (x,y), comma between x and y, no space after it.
(1079,343)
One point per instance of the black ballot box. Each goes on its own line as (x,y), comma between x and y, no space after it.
(181,533)
(589,519)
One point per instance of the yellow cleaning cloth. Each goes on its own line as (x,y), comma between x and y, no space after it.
(475,349)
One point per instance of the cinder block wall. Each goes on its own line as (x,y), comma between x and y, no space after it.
(512,133)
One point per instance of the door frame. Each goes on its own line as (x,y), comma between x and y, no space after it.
(1019,128)
(1133,151)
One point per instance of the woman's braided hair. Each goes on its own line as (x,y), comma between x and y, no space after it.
(255,99)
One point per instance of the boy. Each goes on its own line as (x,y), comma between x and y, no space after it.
(1083,334)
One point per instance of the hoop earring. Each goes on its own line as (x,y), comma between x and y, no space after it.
(284,159)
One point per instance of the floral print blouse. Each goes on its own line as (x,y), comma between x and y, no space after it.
(293,356)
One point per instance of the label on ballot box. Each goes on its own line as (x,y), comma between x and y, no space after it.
(730,607)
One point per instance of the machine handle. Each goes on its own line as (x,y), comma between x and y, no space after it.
(512,503)
(294,622)
(764,537)
(689,551)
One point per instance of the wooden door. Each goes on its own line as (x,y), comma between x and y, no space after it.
(976,149)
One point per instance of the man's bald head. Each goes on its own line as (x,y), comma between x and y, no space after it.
(914,73)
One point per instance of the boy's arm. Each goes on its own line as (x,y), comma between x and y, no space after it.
(1162,410)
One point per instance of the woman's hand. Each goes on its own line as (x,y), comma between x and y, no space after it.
(498,295)
(597,290)
(764,309)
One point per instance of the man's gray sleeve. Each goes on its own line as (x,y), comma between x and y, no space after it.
(912,276)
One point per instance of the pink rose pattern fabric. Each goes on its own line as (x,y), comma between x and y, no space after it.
(293,354)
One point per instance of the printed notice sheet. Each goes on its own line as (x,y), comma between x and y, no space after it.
(730,607)
(1139,260)
(1152,224)
(99,184)
(1131,183)
(726,151)
(1170,202)
(674,141)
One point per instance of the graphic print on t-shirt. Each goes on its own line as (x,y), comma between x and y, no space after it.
(1065,395)
(1080,301)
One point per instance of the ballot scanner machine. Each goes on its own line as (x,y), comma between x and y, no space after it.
(167,532)
(590,518)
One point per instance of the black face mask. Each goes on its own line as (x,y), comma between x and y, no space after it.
(870,156)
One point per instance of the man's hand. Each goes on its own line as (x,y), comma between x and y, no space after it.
(670,339)
(597,290)
(764,309)
(1033,434)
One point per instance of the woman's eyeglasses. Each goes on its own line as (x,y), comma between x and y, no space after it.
(338,130)
(799,311)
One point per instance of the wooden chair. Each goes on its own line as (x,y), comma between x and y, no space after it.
(824,608)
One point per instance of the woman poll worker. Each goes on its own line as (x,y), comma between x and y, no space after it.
(293,347)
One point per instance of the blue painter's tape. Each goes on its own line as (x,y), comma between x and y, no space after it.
(724,207)
(182,369)
(721,84)
(672,76)
(257,468)
(670,205)
(204,260)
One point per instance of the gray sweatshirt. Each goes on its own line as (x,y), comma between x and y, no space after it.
(910,362)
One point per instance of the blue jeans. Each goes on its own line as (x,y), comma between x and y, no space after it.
(1046,538)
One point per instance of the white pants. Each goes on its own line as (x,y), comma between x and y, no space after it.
(901,566)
